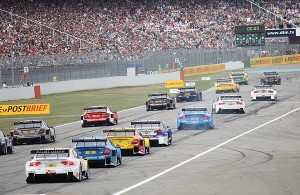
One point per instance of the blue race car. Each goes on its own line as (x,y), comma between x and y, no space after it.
(195,118)
(98,150)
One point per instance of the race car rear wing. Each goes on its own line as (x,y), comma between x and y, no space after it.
(194,109)
(119,130)
(270,73)
(27,122)
(224,80)
(96,107)
(157,94)
(145,122)
(231,96)
(50,151)
(89,140)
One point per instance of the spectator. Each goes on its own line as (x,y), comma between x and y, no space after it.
(4,86)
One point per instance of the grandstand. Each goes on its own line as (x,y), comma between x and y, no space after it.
(60,32)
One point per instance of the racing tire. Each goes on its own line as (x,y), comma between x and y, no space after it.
(85,174)
(68,178)
(242,111)
(10,150)
(30,179)
(79,177)
(4,151)
(148,150)
(52,138)
(119,161)
(170,141)
(180,127)
(83,125)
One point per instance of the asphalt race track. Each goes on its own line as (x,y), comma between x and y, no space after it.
(253,153)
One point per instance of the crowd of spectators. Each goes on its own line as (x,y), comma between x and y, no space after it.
(127,28)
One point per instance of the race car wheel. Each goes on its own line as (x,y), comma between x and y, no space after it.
(30,179)
(68,178)
(242,111)
(79,176)
(119,160)
(10,150)
(180,127)
(4,151)
(52,138)
(170,141)
(148,150)
(85,174)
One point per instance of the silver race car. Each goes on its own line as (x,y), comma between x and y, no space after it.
(263,92)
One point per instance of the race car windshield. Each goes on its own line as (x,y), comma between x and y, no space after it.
(58,155)
(28,125)
(158,96)
(97,110)
(91,144)
(130,134)
(187,90)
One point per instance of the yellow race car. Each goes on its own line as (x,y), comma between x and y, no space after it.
(129,140)
(226,85)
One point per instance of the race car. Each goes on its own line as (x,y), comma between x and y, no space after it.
(98,150)
(33,131)
(97,115)
(188,94)
(263,92)
(239,77)
(195,118)
(129,141)
(155,130)
(160,101)
(56,162)
(6,144)
(269,78)
(226,85)
(228,104)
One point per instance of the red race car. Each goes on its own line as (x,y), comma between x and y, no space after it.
(97,115)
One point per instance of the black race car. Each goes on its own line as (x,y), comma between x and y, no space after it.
(6,144)
(188,94)
(160,101)
(269,78)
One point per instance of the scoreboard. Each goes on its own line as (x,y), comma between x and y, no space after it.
(250,35)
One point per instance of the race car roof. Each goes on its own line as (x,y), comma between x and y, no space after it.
(194,109)
(95,107)
(91,139)
(28,122)
(145,122)
(261,86)
(51,151)
(119,130)
(238,70)
(187,88)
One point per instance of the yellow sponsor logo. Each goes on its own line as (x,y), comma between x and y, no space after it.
(24,109)
(278,60)
(204,69)
(174,83)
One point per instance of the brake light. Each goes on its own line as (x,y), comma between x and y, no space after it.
(86,116)
(67,163)
(34,164)
(106,151)
(159,131)
(239,103)
(106,115)
(221,103)
(150,101)
(205,117)
(270,91)
(42,131)
(166,100)
(183,117)
(135,141)
(193,93)
(255,91)
(16,132)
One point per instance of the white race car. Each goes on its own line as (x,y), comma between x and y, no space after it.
(228,103)
(54,162)
(263,92)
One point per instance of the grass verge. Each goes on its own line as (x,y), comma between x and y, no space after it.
(67,107)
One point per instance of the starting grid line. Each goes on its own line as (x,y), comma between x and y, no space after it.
(202,154)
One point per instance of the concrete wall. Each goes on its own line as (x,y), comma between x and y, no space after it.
(234,65)
(86,84)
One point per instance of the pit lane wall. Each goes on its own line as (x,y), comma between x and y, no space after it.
(277,60)
(86,84)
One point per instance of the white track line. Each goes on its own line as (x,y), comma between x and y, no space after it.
(201,154)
